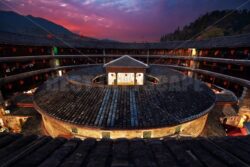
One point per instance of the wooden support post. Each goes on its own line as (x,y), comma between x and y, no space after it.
(147,56)
(104,58)
(55,62)
(193,64)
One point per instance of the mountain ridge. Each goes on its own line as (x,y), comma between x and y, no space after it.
(36,26)
(213,24)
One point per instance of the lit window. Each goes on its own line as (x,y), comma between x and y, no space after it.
(7,111)
(74,130)
(147,134)
(106,135)
(178,129)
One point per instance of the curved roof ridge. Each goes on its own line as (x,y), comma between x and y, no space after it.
(126,61)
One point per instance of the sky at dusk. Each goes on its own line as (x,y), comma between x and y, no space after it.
(123,20)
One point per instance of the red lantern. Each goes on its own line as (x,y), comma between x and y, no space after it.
(13,49)
(36,77)
(236,86)
(225,83)
(21,82)
(30,50)
(232,52)
(49,36)
(206,52)
(246,51)
(200,53)
(241,68)
(229,66)
(9,86)
(216,53)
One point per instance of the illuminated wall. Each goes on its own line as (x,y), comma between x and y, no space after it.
(125,78)
(56,128)
(139,78)
(111,78)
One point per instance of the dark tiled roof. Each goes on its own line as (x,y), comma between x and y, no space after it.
(228,41)
(21,111)
(22,98)
(17,150)
(85,75)
(175,100)
(226,96)
(126,61)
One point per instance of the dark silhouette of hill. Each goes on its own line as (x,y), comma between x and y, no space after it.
(213,24)
(35,26)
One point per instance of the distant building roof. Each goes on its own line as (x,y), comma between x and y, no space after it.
(126,62)
(17,150)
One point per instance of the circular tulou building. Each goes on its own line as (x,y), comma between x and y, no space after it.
(124,98)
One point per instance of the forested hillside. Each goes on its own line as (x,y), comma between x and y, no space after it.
(213,24)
